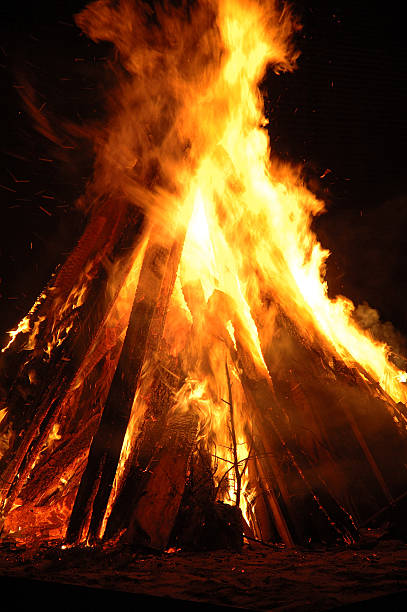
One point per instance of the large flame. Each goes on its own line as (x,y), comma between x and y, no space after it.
(191,107)
(250,233)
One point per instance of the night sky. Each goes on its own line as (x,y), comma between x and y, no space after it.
(340,114)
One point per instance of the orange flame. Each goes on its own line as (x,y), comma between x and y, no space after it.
(187,144)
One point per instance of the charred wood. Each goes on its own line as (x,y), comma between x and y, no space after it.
(159,399)
(203,523)
(341,424)
(33,408)
(106,446)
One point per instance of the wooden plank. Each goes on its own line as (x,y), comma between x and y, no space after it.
(33,416)
(153,517)
(343,425)
(106,446)
(158,393)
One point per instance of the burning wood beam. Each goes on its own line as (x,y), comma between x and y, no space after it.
(155,511)
(143,332)
(34,409)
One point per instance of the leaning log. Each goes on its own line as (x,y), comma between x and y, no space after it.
(34,407)
(106,446)
(150,416)
(300,491)
(153,516)
(336,420)
(340,421)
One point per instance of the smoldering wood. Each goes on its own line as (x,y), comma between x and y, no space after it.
(203,522)
(78,409)
(110,234)
(68,458)
(27,390)
(52,484)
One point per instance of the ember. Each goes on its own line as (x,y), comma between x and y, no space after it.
(184,381)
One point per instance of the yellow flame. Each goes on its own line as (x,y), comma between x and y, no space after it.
(251,225)
(250,232)
(250,229)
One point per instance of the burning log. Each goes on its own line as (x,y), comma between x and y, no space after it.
(146,444)
(282,460)
(288,433)
(155,511)
(144,331)
(34,410)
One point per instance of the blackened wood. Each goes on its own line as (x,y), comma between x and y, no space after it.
(106,446)
(100,239)
(271,514)
(199,495)
(312,512)
(32,415)
(343,423)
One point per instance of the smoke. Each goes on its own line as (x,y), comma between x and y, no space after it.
(369,319)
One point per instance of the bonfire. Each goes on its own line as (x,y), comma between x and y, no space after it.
(184,380)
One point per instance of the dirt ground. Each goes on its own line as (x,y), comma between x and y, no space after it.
(258,577)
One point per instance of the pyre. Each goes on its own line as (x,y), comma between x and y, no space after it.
(186,359)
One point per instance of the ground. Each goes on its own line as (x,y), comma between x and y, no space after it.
(257,578)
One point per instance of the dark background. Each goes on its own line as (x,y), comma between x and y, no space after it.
(342,110)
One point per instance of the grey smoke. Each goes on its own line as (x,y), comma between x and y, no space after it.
(369,319)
